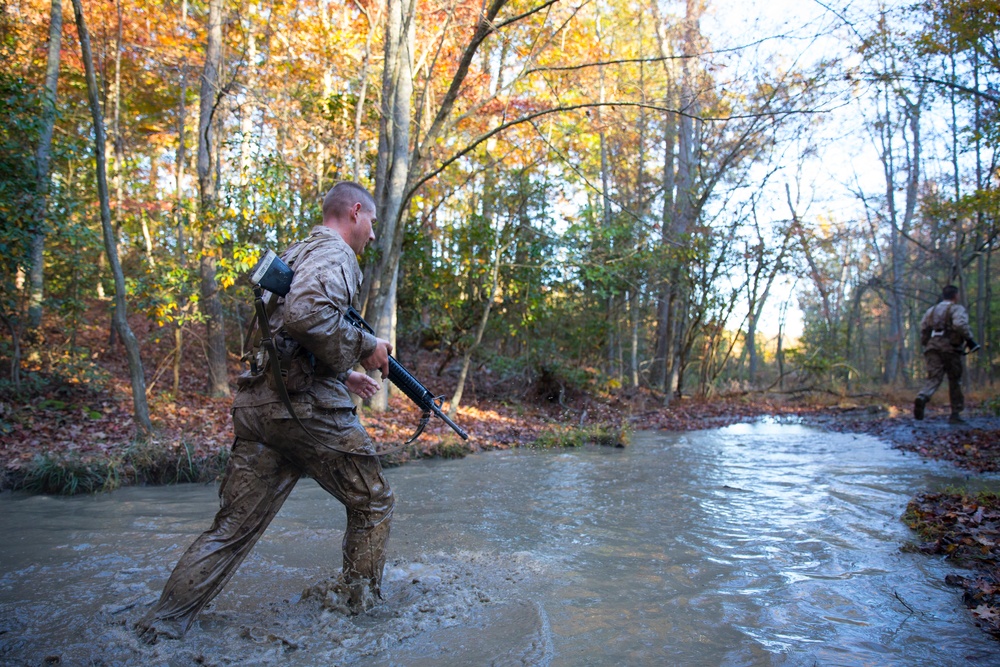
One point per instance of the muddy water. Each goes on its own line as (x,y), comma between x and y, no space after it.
(750,545)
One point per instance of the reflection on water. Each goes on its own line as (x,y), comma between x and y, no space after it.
(766,544)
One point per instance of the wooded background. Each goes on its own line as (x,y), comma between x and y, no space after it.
(618,194)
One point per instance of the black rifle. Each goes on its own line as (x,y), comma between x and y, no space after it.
(410,386)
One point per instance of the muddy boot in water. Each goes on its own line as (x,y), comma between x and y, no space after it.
(151,629)
(361,598)
(918,407)
(351,597)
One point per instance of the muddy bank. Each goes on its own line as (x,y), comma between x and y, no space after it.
(972,446)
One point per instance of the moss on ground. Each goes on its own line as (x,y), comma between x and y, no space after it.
(141,464)
(607,435)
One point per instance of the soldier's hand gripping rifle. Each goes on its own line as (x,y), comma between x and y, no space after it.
(410,386)
(273,275)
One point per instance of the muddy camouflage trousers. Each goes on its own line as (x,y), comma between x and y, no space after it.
(257,481)
(940,364)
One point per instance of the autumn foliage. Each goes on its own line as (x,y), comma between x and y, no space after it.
(593,217)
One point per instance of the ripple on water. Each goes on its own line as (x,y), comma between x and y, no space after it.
(764,544)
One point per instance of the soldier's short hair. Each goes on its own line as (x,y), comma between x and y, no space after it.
(342,197)
(949,292)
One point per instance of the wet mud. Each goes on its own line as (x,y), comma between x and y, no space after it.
(973,445)
(430,606)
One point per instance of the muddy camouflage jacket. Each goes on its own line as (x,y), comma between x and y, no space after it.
(308,323)
(945,327)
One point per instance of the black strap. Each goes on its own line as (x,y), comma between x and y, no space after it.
(946,321)
(267,342)
(247,352)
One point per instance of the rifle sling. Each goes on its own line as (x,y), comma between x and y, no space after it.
(267,342)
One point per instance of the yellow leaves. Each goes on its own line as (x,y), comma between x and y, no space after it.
(241,260)
(163,312)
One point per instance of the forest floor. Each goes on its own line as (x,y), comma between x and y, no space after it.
(74,433)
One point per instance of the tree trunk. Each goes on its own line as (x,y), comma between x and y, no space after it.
(397,87)
(684,211)
(664,297)
(900,226)
(613,343)
(42,159)
(179,248)
(982,310)
(391,173)
(359,109)
(16,329)
(678,211)
(116,144)
(779,354)
(613,369)
(218,377)
(661,345)
(120,314)
(632,298)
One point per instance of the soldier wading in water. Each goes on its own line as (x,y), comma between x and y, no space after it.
(272,451)
(944,334)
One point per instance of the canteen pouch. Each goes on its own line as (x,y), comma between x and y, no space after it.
(298,366)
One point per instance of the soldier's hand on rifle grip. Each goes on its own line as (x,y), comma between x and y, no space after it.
(379,358)
(972,345)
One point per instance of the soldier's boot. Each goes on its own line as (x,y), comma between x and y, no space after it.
(918,407)
(956,418)
(361,597)
(151,629)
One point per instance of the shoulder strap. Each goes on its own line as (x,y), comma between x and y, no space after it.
(267,342)
(247,351)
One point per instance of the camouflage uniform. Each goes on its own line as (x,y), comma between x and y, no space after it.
(271,451)
(944,331)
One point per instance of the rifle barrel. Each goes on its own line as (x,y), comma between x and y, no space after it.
(455,427)
(409,385)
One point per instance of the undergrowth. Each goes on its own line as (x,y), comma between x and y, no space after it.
(143,463)
(608,435)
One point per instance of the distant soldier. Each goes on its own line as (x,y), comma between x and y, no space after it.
(944,334)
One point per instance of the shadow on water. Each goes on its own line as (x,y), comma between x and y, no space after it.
(765,544)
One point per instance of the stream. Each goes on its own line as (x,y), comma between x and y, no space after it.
(759,544)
